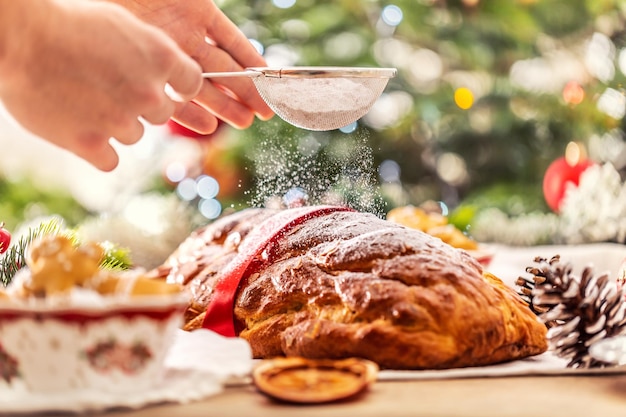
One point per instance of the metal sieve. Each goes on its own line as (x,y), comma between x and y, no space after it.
(317,98)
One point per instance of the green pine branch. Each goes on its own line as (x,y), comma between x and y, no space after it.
(115,257)
(15,257)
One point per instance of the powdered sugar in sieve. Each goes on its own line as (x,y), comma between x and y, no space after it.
(318,98)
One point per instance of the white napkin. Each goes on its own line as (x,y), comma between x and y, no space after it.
(202,350)
(198,365)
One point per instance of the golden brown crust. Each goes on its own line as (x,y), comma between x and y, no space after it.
(350,284)
(199,259)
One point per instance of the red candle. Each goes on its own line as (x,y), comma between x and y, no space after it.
(563,171)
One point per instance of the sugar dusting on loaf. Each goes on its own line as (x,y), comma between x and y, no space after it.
(349,284)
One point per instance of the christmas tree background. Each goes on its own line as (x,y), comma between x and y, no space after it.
(488,94)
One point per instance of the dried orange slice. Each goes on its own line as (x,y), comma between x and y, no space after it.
(308,381)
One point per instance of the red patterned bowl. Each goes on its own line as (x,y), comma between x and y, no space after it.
(116,344)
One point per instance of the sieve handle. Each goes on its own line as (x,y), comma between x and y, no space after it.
(246,73)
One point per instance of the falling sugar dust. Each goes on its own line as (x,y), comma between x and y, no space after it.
(294,167)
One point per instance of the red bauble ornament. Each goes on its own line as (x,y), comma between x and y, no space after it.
(5,238)
(558,175)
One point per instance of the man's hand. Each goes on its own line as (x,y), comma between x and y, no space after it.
(214,41)
(78,73)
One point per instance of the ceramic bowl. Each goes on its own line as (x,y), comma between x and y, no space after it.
(112,344)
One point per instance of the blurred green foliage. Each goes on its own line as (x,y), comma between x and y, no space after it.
(22,201)
(516,56)
(511,133)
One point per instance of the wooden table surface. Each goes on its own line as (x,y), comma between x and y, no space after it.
(552,396)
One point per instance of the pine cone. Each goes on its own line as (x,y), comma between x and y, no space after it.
(580,310)
(540,275)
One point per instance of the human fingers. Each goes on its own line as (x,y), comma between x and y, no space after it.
(160,113)
(96,149)
(130,133)
(232,51)
(228,37)
(185,77)
(242,88)
(221,104)
(196,118)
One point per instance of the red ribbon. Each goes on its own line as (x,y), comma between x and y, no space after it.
(220,311)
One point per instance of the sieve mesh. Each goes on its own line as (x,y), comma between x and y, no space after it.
(318,98)
(320,103)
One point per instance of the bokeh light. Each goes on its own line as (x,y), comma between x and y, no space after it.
(258,46)
(533,75)
(207,187)
(393,52)
(426,66)
(464,98)
(281,55)
(210,208)
(175,172)
(284,4)
(612,103)
(574,153)
(573,93)
(392,15)
(599,57)
(452,169)
(345,46)
(621,61)
(389,109)
(389,171)
(349,128)
(295,197)
(187,189)
(549,73)
(149,221)
(295,30)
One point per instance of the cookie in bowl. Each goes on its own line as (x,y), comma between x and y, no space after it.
(66,325)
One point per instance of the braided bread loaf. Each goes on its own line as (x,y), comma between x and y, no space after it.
(343,284)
